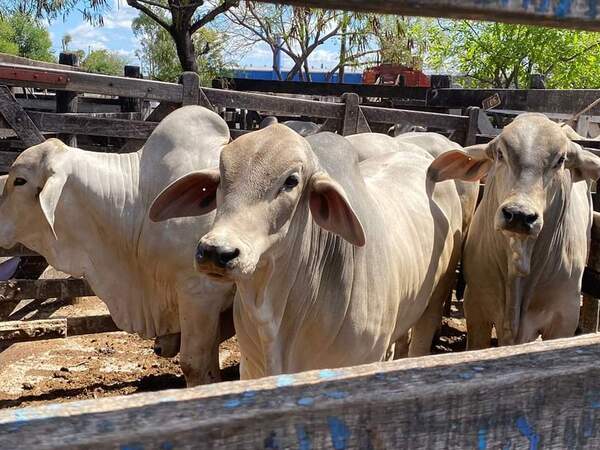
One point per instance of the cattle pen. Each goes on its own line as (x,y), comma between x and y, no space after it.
(538,395)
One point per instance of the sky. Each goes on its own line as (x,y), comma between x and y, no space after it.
(116,35)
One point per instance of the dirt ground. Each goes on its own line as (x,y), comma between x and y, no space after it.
(109,364)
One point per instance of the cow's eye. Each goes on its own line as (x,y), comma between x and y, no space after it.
(19,181)
(290,183)
(560,161)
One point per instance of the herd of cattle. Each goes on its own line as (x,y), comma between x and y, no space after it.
(317,251)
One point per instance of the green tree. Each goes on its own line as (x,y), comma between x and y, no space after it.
(503,55)
(183,20)
(24,36)
(104,61)
(158,53)
(92,10)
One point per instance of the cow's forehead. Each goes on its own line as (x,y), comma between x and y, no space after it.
(533,135)
(265,153)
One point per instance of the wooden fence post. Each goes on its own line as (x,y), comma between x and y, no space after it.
(18,119)
(66,101)
(472,126)
(129,104)
(351,114)
(192,93)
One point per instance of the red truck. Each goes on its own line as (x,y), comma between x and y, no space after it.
(392,74)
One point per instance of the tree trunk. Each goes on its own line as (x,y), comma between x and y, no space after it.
(342,55)
(185,50)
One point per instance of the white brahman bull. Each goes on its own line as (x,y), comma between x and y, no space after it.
(334,259)
(86,213)
(527,246)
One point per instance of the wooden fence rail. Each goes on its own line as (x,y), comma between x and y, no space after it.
(539,395)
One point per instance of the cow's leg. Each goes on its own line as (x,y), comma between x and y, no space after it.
(424,330)
(479,326)
(564,321)
(401,346)
(200,333)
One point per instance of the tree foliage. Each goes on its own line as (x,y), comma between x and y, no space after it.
(504,55)
(23,35)
(91,10)
(104,61)
(298,32)
(158,53)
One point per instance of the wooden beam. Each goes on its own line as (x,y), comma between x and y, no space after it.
(539,395)
(18,119)
(16,290)
(568,101)
(321,89)
(583,15)
(351,114)
(15,331)
(92,126)
(427,119)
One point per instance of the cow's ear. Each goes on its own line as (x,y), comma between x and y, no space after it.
(331,210)
(193,194)
(469,164)
(584,164)
(49,197)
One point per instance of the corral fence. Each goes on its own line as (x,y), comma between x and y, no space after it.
(540,395)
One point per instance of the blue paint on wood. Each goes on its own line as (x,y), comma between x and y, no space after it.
(466,375)
(327,373)
(305,401)
(526,430)
(482,438)
(336,395)
(249,394)
(167,446)
(339,432)
(232,403)
(526,4)
(303,438)
(562,8)
(285,380)
(105,426)
(132,446)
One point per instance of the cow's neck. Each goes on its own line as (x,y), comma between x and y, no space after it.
(540,255)
(294,288)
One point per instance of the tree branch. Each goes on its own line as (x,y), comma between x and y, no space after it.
(149,13)
(211,15)
(151,3)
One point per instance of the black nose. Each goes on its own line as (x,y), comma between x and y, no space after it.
(518,220)
(219,255)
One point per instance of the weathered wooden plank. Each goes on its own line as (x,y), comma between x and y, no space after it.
(589,315)
(320,89)
(15,331)
(92,126)
(66,101)
(426,119)
(6,160)
(351,114)
(539,395)
(580,14)
(129,104)
(472,126)
(18,119)
(14,290)
(100,84)
(535,100)
(32,330)
(19,60)
(191,88)
(274,104)
(77,326)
